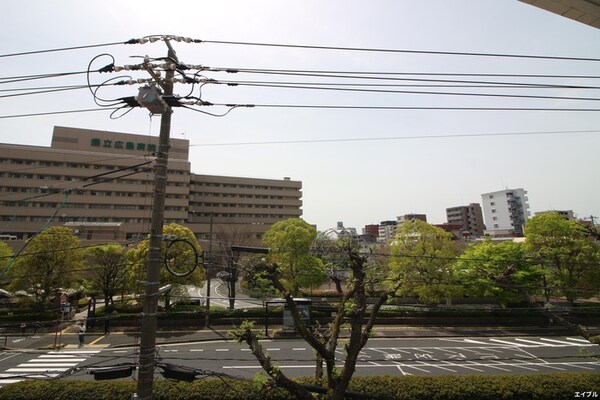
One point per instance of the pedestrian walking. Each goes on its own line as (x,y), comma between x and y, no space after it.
(106,325)
(81,333)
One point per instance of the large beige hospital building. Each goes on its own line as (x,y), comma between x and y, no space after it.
(101,184)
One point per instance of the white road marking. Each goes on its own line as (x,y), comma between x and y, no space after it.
(7,381)
(402,371)
(578,365)
(54,357)
(494,366)
(45,366)
(465,366)
(535,343)
(579,340)
(41,376)
(35,369)
(417,368)
(474,341)
(566,343)
(59,360)
(421,364)
(74,352)
(507,342)
(437,366)
(10,356)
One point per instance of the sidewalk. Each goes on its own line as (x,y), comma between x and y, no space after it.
(131,337)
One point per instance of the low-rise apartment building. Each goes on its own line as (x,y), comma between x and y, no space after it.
(470,217)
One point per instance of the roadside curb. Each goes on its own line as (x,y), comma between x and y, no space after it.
(407,332)
(126,339)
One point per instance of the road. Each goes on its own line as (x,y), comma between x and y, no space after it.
(408,356)
(219,296)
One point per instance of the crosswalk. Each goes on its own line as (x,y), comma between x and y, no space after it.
(46,366)
(543,342)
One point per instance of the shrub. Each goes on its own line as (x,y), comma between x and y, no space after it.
(470,387)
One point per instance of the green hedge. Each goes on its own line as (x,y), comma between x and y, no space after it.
(471,387)
(210,389)
(21,315)
(478,387)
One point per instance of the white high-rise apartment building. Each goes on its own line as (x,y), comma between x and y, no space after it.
(505,212)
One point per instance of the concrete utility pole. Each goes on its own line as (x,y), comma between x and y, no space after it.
(208,271)
(149,315)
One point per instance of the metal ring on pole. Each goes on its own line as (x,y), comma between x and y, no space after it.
(167,260)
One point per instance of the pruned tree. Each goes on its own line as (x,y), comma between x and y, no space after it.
(259,285)
(570,258)
(6,255)
(181,258)
(422,255)
(354,321)
(289,244)
(52,261)
(109,269)
(499,270)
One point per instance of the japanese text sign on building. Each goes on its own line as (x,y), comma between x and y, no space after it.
(126,145)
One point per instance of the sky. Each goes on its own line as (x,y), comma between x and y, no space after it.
(360,166)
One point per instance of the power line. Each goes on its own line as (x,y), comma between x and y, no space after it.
(44,90)
(390,76)
(400,51)
(25,78)
(89,46)
(439,93)
(302,46)
(404,73)
(400,108)
(58,112)
(451,84)
(373,139)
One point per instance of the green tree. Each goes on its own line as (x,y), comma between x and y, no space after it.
(51,261)
(289,244)
(422,255)
(568,256)
(109,269)
(6,255)
(181,259)
(260,287)
(500,270)
(353,313)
